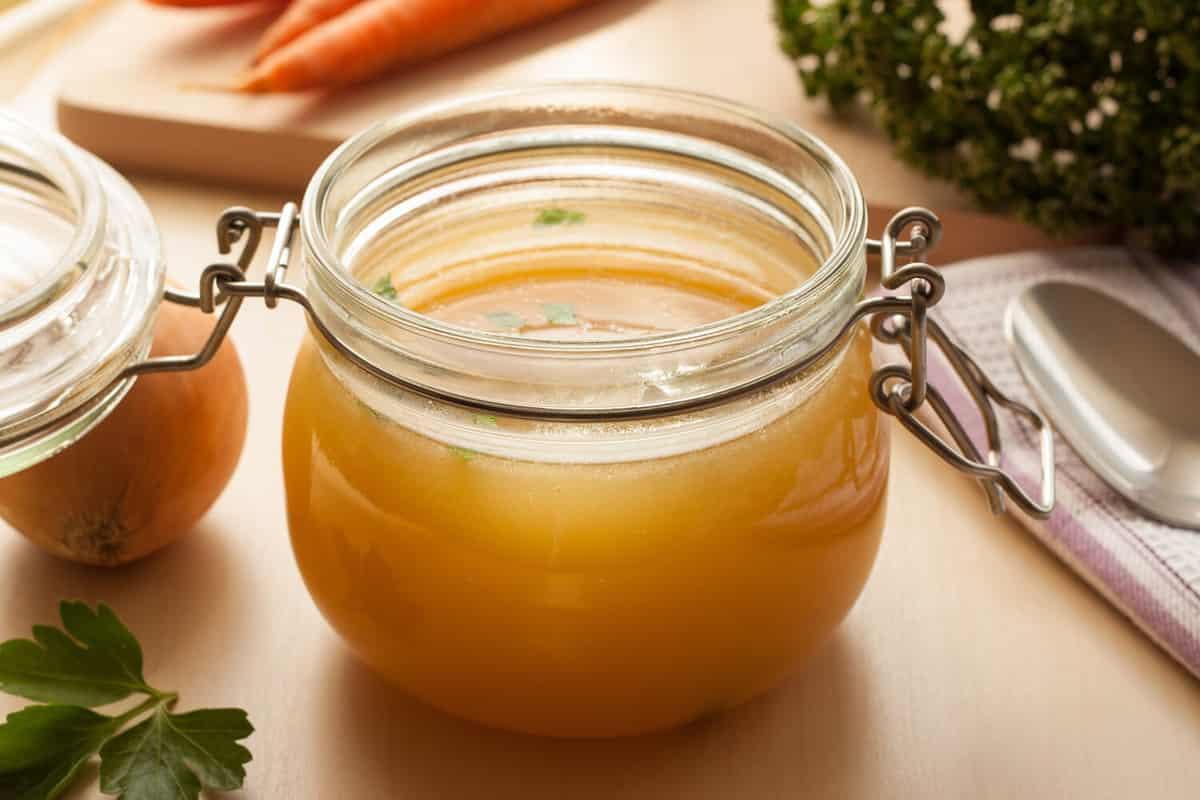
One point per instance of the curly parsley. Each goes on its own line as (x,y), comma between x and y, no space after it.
(1072,115)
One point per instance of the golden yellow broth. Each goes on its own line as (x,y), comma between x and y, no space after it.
(584,599)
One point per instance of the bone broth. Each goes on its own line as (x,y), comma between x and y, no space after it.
(612,579)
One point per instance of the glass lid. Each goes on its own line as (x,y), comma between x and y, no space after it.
(81,275)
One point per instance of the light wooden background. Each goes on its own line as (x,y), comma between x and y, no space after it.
(974,666)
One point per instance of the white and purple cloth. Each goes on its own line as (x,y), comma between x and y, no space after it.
(1150,571)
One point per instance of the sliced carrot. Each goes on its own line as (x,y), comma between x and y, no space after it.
(377,35)
(300,17)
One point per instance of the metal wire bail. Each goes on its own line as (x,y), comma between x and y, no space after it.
(902,390)
(899,390)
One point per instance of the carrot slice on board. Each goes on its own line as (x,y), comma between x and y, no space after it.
(376,35)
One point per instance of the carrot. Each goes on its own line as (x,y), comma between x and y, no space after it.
(207,3)
(377,35)
(300,17)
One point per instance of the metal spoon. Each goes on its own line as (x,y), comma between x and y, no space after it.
(1122,390)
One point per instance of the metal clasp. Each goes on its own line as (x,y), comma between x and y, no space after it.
(899,390)
(225,284)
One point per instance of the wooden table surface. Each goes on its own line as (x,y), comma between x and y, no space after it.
(974,665)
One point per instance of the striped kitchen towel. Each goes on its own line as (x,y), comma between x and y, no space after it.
(1150,571)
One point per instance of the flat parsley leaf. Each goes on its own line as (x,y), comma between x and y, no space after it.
(173,756)
(558,216)
(384,288)
(95,660)
(559,313)
(43,747)
(506,319)
(100,665)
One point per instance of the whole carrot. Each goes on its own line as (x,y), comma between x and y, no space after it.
(299,18)
(208,3)
(377,35)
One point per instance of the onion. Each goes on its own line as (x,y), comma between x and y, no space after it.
(149,471)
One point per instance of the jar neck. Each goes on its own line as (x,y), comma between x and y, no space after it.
(79,284)
(653,172)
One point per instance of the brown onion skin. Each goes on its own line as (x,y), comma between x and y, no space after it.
(150,470)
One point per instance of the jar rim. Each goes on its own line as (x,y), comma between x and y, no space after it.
(78,182)
(848,240)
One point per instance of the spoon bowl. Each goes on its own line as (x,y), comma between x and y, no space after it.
(1120,388)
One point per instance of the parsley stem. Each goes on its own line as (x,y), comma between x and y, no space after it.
(157,699)
(135,712)
(167,698)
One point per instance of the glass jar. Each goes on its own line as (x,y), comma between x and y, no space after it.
(81,277)
(575,536)
(594,575)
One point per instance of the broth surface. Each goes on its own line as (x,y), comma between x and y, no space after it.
(586,306)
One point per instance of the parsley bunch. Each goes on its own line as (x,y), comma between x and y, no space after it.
(1070,113)
(94,661)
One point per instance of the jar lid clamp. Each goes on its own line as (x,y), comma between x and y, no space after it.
(898,390)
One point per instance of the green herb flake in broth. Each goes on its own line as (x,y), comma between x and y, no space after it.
(559,313)
(558,216)
(506,319)
(384,288)
(464,453)
(485,420)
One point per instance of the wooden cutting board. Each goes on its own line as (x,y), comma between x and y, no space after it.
(130,94)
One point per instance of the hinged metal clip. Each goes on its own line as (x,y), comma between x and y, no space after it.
(225,284)
(900,390)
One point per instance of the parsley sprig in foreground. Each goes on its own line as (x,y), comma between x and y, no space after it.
(146,753)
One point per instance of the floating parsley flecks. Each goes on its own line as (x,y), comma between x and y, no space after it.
(558,216)
(384,288)
(506,319)
(485,420)
(559,313)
